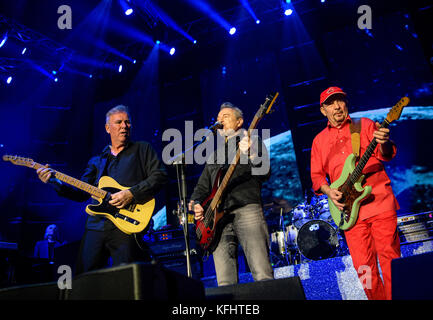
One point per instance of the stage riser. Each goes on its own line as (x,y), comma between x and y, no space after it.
(274,290)
(330,279)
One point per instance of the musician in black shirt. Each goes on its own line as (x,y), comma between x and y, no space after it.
(131,164)
(241,202)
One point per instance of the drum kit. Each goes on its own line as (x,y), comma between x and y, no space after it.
(303,233)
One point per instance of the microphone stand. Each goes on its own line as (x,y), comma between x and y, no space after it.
(182,208)
(179,162)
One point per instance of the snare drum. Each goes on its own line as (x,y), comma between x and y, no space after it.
(317,240)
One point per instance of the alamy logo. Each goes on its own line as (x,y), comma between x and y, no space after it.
(65,20)
(204,152)
(365,21)
(65,280)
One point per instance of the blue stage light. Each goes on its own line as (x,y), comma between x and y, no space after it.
(257,21)
(232,30)
(172,51)
(288,12)
(195,41)
(120,68)
(90,76)
(54,72)
(56,79)
(2,43)
(157,42)
(9,80)
(322,1)
(134,61)
(127,10)
(24,51)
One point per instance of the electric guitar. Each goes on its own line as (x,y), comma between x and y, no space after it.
(350,180)
(209,229)
(131,219)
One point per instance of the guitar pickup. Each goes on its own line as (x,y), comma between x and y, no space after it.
(130,220)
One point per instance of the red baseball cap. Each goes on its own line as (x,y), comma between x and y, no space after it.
(329,92)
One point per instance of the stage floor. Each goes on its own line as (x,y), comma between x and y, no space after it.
(330,279)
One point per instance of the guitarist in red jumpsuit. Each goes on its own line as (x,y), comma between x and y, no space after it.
(374,235)
(242,204)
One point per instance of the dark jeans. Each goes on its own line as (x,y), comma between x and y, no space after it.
(98,246)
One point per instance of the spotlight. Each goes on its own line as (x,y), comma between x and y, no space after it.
(2,43)
(90,76)
(9,80)
(24,51)
(157,42)
(56,79)
(172,51)
(195,41)
(54,72)
(120,68)
(134,61)
(322,1)
(257,21)
(288,12)
(232,30)
(127,10)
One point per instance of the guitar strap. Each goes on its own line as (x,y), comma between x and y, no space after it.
(355,131)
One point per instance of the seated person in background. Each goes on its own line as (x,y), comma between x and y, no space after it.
(45,248)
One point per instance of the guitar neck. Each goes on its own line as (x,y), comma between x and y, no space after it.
(366,156)
(230,170)
(94,191)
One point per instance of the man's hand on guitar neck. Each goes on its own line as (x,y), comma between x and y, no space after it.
(382,137)
(45,173)
(198,210)
(334,195)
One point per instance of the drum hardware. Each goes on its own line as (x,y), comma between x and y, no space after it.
(284,240)
(310,235)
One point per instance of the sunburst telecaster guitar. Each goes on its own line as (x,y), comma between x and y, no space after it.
(350,180)
(131,219)
(209,229)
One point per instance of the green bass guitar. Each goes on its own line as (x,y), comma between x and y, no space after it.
(350,180)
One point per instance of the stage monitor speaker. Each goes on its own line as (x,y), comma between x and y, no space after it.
(279,289)
(42,291)
(136,281)
(412,277)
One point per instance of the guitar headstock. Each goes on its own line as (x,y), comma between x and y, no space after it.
(19,161)
(266,107)
(395,112)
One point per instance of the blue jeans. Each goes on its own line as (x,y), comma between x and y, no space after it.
(248,227)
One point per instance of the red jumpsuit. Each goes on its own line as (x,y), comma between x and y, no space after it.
(375,233)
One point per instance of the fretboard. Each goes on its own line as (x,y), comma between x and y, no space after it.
(357,172)
(94,191)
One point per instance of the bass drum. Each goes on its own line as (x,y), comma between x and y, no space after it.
(317,240)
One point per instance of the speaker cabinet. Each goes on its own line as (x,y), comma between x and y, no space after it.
(42,291)
(412,277)
(137,281)
(279,289)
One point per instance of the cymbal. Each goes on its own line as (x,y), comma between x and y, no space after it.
(276,205)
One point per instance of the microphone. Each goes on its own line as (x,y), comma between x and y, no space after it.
(215,126)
